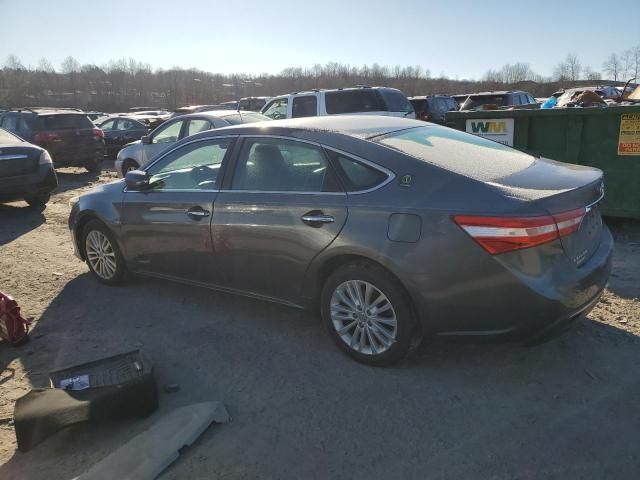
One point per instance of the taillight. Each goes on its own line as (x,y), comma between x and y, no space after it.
(97,132)
(503,234)
(44,137)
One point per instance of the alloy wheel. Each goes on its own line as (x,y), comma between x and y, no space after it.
(363,317)
(100,254)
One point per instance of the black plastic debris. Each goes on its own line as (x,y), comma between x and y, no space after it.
(122,386)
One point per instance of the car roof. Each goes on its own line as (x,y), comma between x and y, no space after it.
(424,97)
(495,92)
(359,126)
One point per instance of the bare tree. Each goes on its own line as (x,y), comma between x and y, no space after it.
(612,66)
(589,74)
(44,65)
(633,59)
(569,69)
(69,65)
(13,63)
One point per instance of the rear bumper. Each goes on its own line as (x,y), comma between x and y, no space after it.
(501,301)
(74,158)
(44,179)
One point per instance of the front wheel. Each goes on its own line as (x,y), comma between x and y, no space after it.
(129,165)
(368,314)
(102,253)
(38,201)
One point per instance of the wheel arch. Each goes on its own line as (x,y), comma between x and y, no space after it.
(82,222)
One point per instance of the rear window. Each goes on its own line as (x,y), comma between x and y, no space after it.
(478,101)
(6,137)
(396,101)
(353,101)
(459,152)
(64,122)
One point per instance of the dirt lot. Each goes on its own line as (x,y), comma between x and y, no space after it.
(567,409)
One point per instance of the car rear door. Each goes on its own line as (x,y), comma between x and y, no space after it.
(282,207)
(166,229)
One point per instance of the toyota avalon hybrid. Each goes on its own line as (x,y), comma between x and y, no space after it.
(393,228)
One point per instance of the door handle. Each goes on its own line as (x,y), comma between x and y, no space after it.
(316,218)
(198,213)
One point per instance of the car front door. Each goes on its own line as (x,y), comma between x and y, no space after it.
(282,207)
(162,138)
(166,228)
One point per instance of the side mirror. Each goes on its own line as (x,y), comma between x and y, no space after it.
(136,180)
(146,139)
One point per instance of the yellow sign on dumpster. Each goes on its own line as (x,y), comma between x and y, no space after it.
(629,139)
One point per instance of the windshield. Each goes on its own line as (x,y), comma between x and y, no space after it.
(478,101)
(6,137)
(459,152)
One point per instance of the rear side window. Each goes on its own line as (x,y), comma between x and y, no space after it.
(396,101)
(353,101)
(64,122)
(357,175)
(306,106)
(459,152)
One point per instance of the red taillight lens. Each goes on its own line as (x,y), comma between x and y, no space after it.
(44,137)
(503,234)
(98,132)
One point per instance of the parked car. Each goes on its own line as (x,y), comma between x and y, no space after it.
(67,134)
(119,131)
(433,108)
(493,100)
(394,227)
(93,116)
(253,104)
(137,153)
(26,171)
(193,109)
(341,101)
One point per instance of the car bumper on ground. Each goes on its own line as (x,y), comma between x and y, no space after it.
(43,180)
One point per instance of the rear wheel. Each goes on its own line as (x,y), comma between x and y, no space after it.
(368,314)
(102,253)
(129,165)
(38,200)
(92,165)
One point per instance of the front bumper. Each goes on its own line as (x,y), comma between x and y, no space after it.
(43,180)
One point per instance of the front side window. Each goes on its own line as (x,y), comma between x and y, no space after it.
(194,166)
(306,106)
(277,109)
(357,175)
(278,165)
(198,125)
(169,133)
(108,125)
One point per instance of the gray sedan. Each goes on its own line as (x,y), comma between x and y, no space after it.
(395,228)
(140,152)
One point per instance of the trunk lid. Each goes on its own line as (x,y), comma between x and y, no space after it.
(18,160)
(61,134)
(558,188)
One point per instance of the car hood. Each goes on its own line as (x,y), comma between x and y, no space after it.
(113,188)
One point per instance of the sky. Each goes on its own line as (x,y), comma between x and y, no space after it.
(457,38)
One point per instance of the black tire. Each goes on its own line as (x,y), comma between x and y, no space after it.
(93,166)
(38,201)
(129,164)
(397,297)
(120,268)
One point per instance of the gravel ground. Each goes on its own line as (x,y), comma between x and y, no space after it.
(566,409)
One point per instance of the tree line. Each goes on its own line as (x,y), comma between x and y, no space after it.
(125,83)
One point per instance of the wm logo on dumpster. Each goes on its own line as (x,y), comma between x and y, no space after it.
(492,127)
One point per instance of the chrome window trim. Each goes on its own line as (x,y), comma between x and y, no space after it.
(283,192)
(389,173)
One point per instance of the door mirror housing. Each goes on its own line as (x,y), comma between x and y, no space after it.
(137,180)
(146,139)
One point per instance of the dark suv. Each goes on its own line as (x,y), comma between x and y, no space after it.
(433,108)
(497,99)
(68,135)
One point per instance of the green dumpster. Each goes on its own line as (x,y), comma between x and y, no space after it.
(606,138)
